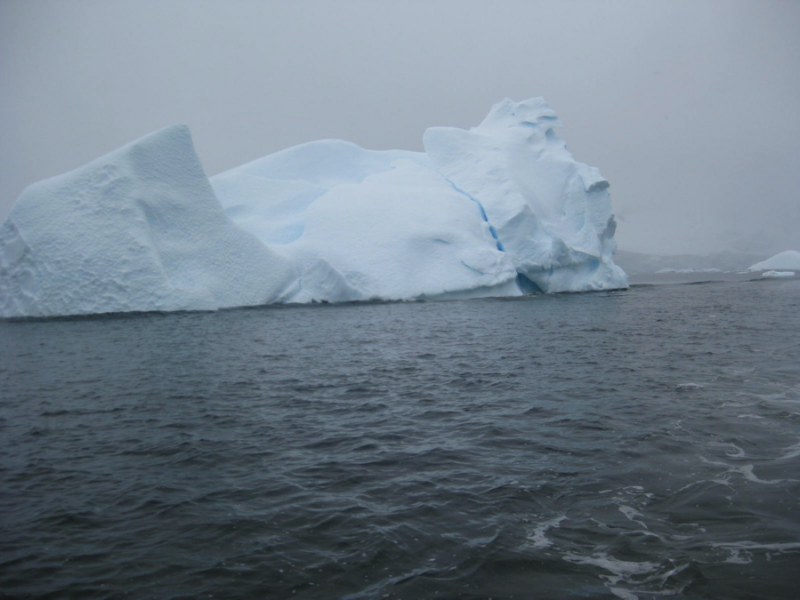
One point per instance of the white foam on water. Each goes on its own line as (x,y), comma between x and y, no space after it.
(738,453)
(791,452)
(738,370)
(637,577)
(636,489)
(790,394)
(631,513)
(741,552)
(620,570)
(736,557)
(745,471)
(538,538)
(688,387)
(623,593)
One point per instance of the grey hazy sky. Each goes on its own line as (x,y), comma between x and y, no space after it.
(691,108)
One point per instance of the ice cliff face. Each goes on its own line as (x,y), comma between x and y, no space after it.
(551,215)
(501,209)
(138,229)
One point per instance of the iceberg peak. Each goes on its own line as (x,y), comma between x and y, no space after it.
(551,213)
(138,229)
(508,114)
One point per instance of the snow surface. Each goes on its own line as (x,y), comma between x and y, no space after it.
(138,229)
(788,260)
(363,224)
(500,210)
(778,274)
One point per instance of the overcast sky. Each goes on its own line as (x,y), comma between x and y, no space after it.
(690,108)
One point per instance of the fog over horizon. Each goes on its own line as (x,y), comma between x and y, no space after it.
(691,109)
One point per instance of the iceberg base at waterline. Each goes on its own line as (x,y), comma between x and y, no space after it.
(500,210)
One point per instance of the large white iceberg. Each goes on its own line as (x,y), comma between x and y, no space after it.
(788,260)
(500,210)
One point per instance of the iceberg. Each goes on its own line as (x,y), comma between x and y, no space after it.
(788,261)
(499,210)
(136,230)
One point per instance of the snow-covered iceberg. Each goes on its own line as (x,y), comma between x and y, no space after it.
(502,209)
(364,224)
(136,230)
(788,260)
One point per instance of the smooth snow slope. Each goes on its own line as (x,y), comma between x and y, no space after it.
(268,196)
(363,224)
(138,229)
(501,209)
(789,260)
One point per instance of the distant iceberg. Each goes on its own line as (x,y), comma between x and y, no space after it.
(500,210)
(789,260)
(689,270)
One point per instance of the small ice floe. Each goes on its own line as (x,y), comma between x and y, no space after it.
(688,387)
(778,274)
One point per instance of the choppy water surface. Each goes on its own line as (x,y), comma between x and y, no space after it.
(634,444)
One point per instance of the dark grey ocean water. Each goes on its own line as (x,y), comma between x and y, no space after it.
(640,444)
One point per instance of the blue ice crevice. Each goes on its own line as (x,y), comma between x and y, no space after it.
(482,211)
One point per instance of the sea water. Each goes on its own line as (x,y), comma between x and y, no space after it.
(632,444)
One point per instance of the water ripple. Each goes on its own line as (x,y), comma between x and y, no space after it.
(620,445)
